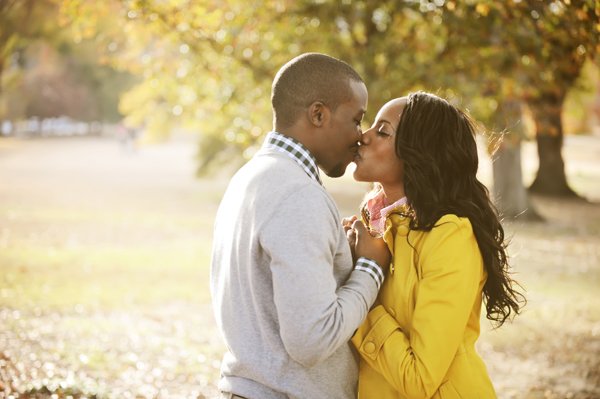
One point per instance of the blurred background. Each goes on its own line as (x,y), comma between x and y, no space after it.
(121,123)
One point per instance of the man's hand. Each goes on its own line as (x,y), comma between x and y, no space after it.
(364,243)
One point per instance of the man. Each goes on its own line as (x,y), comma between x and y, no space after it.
(286,294)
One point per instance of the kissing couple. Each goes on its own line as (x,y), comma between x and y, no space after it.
(384,305)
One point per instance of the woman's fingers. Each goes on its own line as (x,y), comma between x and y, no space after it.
(351,235)
(371,247)
(348,221)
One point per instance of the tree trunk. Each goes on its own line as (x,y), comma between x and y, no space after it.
(1,71)
(551,179)
(510,195)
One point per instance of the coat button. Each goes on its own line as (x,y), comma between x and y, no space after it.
(403,230)
(369,347)
(392,312)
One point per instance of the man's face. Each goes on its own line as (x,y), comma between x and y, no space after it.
(343,133)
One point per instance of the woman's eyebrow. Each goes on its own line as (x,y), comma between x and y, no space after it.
(388,122)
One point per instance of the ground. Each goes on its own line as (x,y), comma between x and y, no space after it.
(104,265)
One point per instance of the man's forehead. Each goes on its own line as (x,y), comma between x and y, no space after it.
(357,105)
(354,107)
(360,95)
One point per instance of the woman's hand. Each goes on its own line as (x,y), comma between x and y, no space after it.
(350,235)
(347,223)
(365,243)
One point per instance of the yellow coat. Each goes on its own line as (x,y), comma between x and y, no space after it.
(419,343)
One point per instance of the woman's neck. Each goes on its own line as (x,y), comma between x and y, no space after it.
(393,193)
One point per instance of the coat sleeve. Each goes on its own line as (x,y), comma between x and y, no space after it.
(315,316)
(451,266)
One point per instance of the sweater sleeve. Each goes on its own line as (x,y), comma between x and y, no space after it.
(451,266)
(315,317)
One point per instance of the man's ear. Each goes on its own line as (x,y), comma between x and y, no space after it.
(318,113)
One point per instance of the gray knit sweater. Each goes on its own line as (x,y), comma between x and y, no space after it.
(285,295)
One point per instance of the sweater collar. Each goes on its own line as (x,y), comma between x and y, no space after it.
(296,150)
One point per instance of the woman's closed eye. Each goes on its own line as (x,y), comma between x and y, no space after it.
(383,133)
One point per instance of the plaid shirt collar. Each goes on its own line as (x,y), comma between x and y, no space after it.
(296,150)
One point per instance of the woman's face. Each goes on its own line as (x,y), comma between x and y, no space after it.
(376,160)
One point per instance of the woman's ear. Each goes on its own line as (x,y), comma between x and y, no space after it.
(318,113)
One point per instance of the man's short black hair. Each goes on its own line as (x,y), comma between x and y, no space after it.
(308,78)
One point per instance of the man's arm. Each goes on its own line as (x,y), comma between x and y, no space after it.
(315,317)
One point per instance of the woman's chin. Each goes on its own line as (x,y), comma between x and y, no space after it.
(356,175)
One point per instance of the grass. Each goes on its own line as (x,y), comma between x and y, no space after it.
(53,258)
(104,279)
(103,296)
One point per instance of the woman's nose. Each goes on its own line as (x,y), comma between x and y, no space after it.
(366,137)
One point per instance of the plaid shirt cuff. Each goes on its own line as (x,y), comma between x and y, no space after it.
(370,266)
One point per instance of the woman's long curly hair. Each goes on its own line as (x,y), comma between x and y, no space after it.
(436,142)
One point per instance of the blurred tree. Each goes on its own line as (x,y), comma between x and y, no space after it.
(49,72)
(402,46)
(20,22)
(554,40)
(539,49)
(208,66)
(578,108)
(485,51)
(49,86)
(478,61)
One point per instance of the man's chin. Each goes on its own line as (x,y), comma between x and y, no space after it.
(337,171)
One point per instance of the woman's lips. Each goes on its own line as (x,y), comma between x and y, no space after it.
(357,156)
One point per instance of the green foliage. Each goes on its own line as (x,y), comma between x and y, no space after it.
(579,102)
(208,66)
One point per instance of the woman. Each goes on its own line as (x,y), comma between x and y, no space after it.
(449,254)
